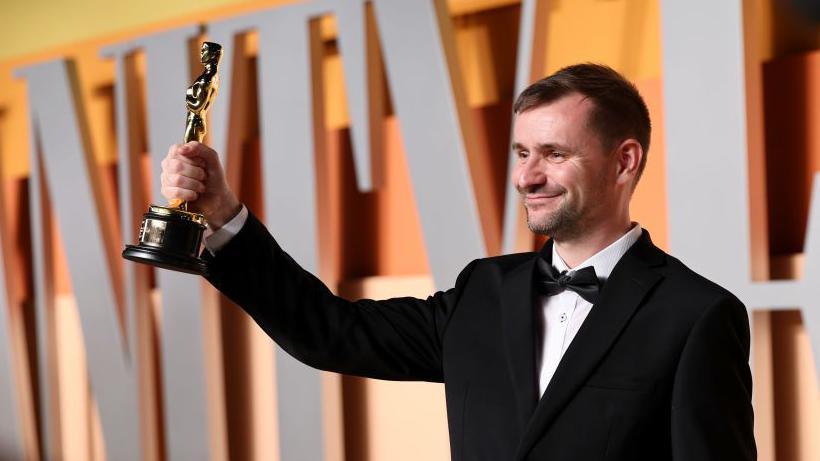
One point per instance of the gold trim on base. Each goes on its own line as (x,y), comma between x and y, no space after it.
(190,216)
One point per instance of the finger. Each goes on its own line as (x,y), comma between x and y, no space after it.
(191,149)
(183,168)
(187,195)
(197,150)
(184,182)
(172,150)
(163,179)
(181,154)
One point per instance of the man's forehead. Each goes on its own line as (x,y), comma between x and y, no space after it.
(561,118)
(570,105)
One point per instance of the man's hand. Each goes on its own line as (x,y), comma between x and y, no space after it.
(192,172)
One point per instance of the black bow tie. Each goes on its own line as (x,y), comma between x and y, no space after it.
(583,281)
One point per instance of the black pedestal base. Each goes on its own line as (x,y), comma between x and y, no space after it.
(164,260)
(170,238)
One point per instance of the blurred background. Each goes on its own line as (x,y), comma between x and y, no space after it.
(122,372)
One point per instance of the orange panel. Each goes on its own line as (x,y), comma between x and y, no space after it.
(649,206)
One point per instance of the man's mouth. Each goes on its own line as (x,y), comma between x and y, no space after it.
(541,198)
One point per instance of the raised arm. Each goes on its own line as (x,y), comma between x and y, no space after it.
(397,339)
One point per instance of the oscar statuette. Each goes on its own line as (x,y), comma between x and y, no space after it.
(170,236)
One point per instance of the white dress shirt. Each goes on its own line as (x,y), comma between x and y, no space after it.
(563,314)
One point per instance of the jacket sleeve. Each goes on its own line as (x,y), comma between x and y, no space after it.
(712,417)
(398,339)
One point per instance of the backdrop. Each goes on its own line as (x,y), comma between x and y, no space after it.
(372,137)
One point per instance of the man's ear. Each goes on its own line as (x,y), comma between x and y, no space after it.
(628,157)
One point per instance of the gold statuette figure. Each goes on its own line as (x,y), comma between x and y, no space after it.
(199,97)
(170,236)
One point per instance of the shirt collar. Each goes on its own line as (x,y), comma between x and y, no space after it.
(605,260)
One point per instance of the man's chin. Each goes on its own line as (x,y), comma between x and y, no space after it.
(541,224)
(541,214)
(553,223)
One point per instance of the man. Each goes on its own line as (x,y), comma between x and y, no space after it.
(599,347)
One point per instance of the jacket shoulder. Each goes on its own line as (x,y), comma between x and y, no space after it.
(681,278)
(506,262)
(493,268)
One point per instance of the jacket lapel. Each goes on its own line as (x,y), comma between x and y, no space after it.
(519,333)
(626,287)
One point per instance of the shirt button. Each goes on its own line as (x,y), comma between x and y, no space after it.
(563,317)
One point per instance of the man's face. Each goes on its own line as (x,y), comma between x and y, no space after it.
(563,173)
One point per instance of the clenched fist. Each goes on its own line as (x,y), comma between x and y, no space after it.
(191,172)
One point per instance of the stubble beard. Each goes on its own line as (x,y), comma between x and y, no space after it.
(562,224)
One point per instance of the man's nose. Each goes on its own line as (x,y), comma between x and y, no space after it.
(531,174)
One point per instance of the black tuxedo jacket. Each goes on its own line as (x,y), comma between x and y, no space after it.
(659,369)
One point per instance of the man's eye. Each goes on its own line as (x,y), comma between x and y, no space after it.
(522,154)
(556,156)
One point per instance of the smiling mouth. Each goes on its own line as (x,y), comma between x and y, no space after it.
(536,199)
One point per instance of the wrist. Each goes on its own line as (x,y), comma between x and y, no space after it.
(227,209)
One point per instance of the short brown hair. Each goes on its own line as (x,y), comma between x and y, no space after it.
(619,112)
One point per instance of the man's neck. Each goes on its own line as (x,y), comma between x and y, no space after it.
(576,250)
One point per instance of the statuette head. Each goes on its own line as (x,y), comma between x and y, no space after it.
(210,53)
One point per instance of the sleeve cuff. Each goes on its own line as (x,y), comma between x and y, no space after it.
(216,240)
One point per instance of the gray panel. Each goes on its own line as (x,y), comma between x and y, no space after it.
(707,169)
(811,274)
(182,342)
(11,440)
(288,169)
(54,110)
(423,98)
(352,44)
(705,112)
(128,227)
(523,71)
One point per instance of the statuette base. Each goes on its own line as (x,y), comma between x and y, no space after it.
(170,239)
